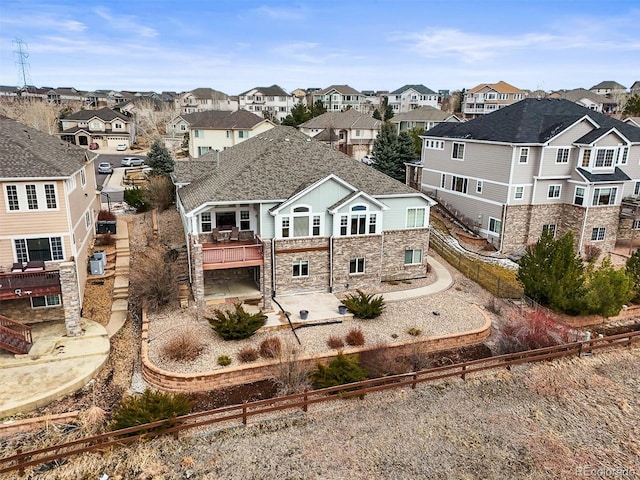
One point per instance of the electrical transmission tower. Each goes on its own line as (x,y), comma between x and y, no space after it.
(24,78)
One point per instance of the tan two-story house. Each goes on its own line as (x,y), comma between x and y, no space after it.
(48,208)
(105,127)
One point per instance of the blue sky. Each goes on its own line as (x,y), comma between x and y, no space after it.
(233,45)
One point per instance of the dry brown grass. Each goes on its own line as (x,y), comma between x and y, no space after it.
(355,337)
(270,347)
(183,346)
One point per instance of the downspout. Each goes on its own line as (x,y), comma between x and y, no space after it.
(331,264)
(273,268)
(502,226)
(584,221)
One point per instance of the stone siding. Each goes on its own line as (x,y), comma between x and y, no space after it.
(395,243)
(318,279)
(368,247)
(608,217)
(70,298)
(20,310)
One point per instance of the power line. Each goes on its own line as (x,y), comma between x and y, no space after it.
(24,78)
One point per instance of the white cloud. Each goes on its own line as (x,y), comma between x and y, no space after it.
(281,13)
(125,23)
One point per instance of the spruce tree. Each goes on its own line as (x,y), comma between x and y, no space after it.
(160,160)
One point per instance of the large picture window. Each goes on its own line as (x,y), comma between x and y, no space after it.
(604,157)
(416,217)
(604,196)
(359,222)
(46,249)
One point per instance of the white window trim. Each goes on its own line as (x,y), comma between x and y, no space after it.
(300,263)
(494,221)
(549,197)
(350,214)
(413,255)
(575,195)
(519,188)
(425,219)
(479,186)
(526,155)
(358,261)
(453,149)
(599,229)
(46,302)
(563,149)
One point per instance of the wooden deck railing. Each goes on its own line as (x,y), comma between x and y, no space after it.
(26,281)
(243,412)
(12,328)
(229,253)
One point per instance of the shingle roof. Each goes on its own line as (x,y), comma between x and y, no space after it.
(580,93)
(223,120)
(500,87)
(426,113)
(272,91)
(187,171)
(105,114)
(276,164)
(617,176)
(418,88)
(347,119)
(207,93)
(29,153)
(343,89)
(609,84)
(529,121)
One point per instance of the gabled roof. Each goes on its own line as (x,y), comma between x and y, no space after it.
(272,91)
(343,89)
(275,165)
(224,120)
(609,84)
(598,133)
(500,87)
(635,86)
(635,121)
(418,88)
(348,119)
(529,121)
(207,93)
(580,93)
(105,114)
(29,153)
(423,114)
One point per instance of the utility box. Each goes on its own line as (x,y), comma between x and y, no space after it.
(97,267)
(100,255)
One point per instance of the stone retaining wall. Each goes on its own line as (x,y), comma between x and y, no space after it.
(242,374)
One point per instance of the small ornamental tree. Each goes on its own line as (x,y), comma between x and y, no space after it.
(342,369)
(364,305)
(236,325)
(148,407)
(160,160)
(552,274)
(608,289)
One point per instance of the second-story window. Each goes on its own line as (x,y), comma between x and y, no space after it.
(12,197)
(416,217)
(50,195)
(459,184)
(458,151)
(604,196)
(524,154)
(604,157)
(578,198)
(554,191)
(562,156)
(586,156)
(83,178)
(32,197)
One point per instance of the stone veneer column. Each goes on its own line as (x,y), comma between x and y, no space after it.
(265,275)
(70,298)
(197,284)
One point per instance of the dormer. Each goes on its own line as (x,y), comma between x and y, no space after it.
(602,150)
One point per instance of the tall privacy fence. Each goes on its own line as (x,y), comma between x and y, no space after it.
(474,268)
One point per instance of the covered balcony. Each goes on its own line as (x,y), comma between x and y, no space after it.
(232,254)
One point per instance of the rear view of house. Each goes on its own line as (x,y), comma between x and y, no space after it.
(48,206)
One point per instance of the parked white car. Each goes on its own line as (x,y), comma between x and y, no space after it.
(131,162)
(121,147)
(368,160)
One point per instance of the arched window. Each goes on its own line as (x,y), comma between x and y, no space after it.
(305,223)
(360,221)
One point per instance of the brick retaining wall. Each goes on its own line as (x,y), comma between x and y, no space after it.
(242,374)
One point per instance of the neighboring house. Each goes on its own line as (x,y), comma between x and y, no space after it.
(65,96)
(215,130)
(410,97)
(337,98)
(537,164)
(48,207)
(271,102)
(489,97)
(202,99)
(635,88)
(8,94)
(608,87)
(588,99)
(422,117)
(310,219)
(350,132)
(105,127)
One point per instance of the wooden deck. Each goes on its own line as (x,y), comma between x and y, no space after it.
(29,284)
(218,256)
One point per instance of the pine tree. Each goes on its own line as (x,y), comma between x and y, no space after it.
(299,114)
(391,152)
(160,160)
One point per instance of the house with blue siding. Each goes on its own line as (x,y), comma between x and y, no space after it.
(538,164)
(291,216)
